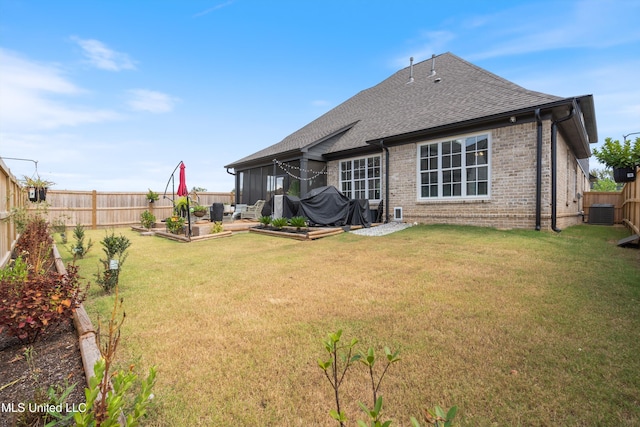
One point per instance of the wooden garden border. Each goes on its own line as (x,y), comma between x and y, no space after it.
(89,351)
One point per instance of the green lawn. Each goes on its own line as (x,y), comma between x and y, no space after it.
(515,327)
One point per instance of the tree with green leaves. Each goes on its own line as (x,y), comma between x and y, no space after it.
(605,180)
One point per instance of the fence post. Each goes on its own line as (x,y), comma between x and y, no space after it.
(94,210)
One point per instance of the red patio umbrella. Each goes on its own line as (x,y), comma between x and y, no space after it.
(182,187)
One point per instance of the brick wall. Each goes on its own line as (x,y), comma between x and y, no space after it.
(512,198)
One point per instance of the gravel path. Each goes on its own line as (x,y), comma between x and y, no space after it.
(383,229)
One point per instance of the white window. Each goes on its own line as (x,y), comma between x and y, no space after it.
(360,178)
(456,168)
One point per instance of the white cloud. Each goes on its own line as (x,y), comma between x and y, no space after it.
(426,44)
(531,28)
(320,103)
(31,97)
(214,8)
(151,101)
(104,58)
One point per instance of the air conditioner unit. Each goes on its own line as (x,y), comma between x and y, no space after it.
(397,214)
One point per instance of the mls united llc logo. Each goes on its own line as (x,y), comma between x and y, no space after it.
(33,407)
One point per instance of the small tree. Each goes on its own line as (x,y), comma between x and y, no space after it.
(79,250)
(115,248)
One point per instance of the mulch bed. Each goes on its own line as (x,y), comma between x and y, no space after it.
(56,359)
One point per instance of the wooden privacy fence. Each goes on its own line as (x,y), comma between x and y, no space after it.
(98,209)
(631,204)
(626,204)
(607,198)
(11,196)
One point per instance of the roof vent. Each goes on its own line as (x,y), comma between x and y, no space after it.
(433,65)
(410,70)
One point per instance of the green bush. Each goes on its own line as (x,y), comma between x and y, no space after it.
(115,248)
(279,223)
(264,220)
(35,245)
(147,219)
(39,303)
(79,250)
(298,222)
(175,224)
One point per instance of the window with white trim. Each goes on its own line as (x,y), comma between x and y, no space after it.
(457,168)
(360,178)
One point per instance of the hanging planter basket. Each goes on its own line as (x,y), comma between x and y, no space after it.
(37,194)
(36,188)
(625,174)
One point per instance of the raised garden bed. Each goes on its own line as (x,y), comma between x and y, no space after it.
(181,237)
(62,357)
(294,233)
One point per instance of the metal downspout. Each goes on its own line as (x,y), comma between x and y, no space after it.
(554,174)
(538,170)
(386,180)
(235,182)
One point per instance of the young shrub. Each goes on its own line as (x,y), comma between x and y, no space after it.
(279,223)
(59,226)
(175,224)
(109,400)
(79,250)
(180,206)
(147,219)
(264,221)
(342,357)
(217,227)
(16,271)
(115,248)
(19,216)
(335,371)
(152,196)
(35,245)
(298,222)
(33,306)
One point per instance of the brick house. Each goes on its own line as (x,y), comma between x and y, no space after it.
(441,141)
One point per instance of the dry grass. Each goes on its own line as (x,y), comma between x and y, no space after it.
(515,327)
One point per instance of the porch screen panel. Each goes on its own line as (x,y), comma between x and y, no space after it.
(317,174)
(292,181)
(240,187)
(255,185)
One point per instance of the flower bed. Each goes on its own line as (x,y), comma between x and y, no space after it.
(40,355)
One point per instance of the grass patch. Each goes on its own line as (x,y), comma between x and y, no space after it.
(514,327)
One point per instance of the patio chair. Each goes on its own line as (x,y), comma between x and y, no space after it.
(253,211)
(240,207)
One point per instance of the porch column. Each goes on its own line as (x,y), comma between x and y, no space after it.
(304,166)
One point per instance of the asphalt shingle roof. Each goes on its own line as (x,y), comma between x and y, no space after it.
(462,92)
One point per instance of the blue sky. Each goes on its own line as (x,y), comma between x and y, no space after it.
(111,95)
